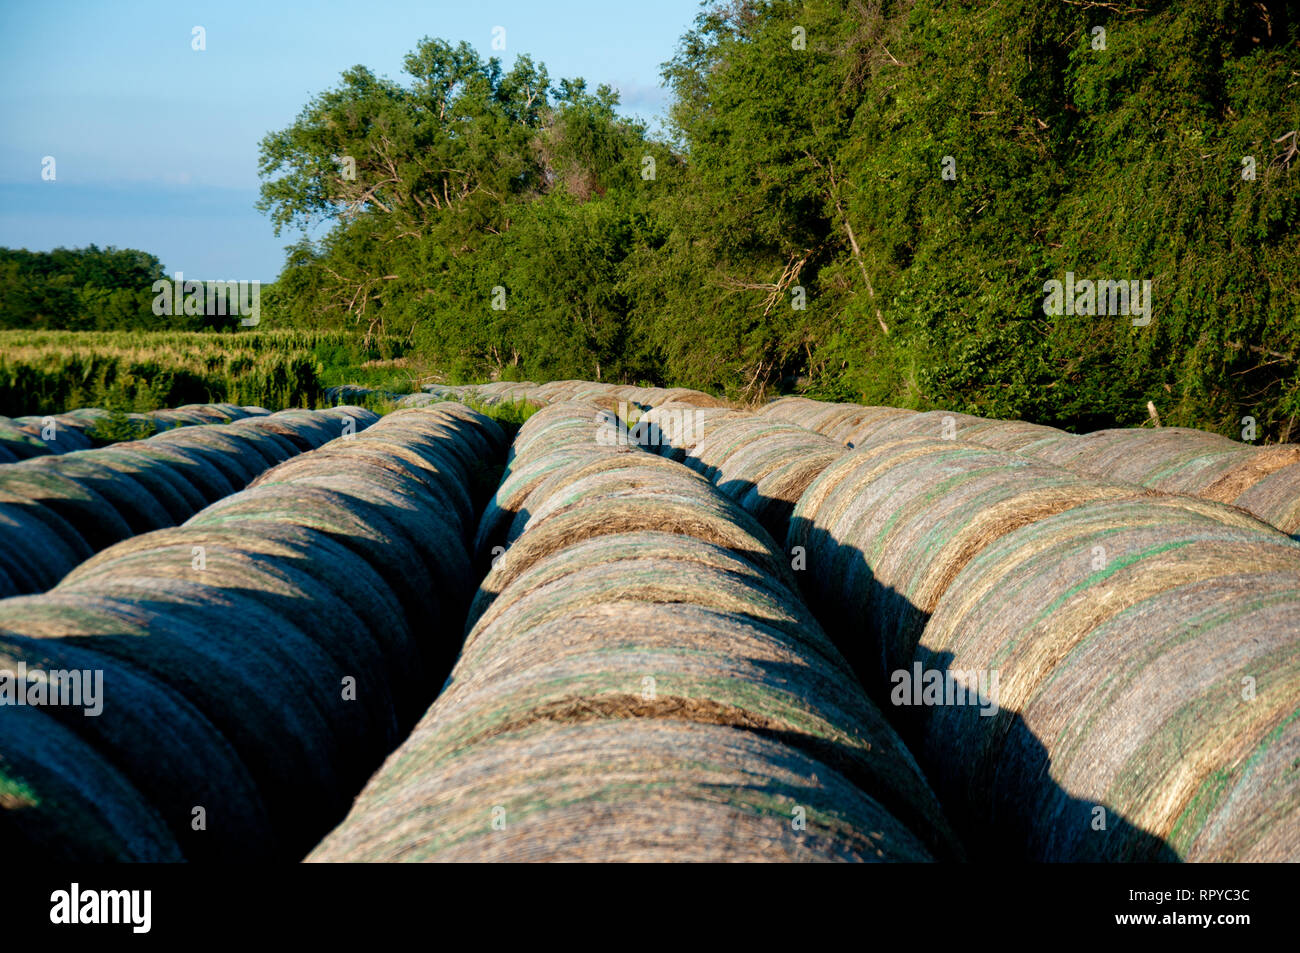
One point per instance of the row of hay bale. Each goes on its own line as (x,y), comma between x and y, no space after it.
(573,390)
(639,681)
(527,392)
(257,662)
(1146,644)
(24,437)
(56,511)
(1263,480)
(1146,649)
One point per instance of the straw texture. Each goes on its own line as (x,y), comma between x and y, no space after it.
(261,659)
(638,658)
(91,499)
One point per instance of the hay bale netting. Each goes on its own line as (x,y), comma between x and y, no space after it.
(303,570)
(138,502)
(558,438)
(1149,664)
(653,792)
(17,444)
(885,529)
(673,428)
(1275,498)
(65,433)
(619,494)
(243,678)
(62,802)
(112,707)
(316,624)
(567,648)
(40,547)
(93,517)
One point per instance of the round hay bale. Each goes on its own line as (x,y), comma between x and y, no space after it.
(854,428)
(837,421)
(297,434)
(238,461)
(560,425)
(401,474)
(69,434)
(772,499)
(352,620)
(610,496)
(737,453)
(656,791)
(696,398)
(673,430)
(168,418)
(521,480)
(63,803)
(788,408)
(197,478)
(1011,435)
(18,444)
(1123,670)
(421,557)
(310,426)
(94,518)
(177,497)
(138,723)
(40,546)
(554,657)
(1225,477)
(1275,498)
(247,680)
(406,521)
(743,587)
(275,447)
(361,417)
(139,508)
(473,438)
(419,400)
(887,528)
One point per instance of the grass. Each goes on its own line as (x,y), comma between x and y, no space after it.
(52,371)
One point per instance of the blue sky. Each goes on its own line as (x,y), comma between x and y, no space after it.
(155,144)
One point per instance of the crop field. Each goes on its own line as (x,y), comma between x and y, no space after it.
(595,622)
(44,372)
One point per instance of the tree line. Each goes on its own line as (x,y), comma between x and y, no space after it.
(864,200)
(860,199)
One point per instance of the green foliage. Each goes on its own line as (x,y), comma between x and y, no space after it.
(91,289)
(52,371)
(486,223)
